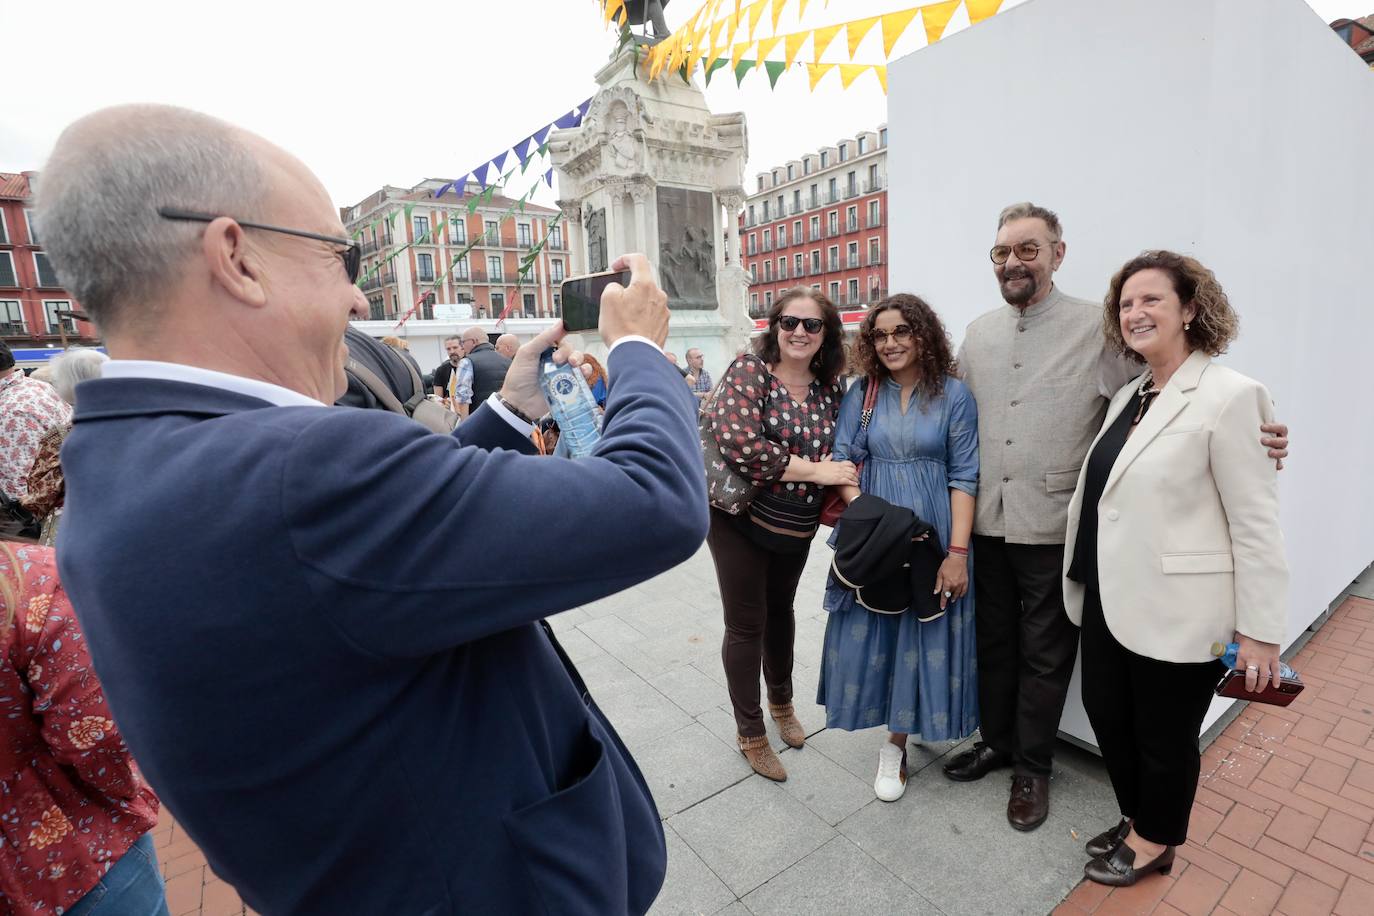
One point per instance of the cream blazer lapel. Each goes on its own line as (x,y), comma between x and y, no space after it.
(1171,400)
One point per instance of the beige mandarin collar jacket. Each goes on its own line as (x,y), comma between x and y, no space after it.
(1189,548)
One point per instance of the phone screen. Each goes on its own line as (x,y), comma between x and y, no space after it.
(582,298)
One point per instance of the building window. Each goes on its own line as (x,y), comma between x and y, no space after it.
(425,264)
(854,291)
(874,182)
(50,308)
(844,152)
(782,236)
(833,222)
(873,213)
(815,228)
(556,236)
(780,208)
(529,305)
(815,262)
(47,277)
(863,145)
(796,201)
(767,271)
(753,243)
(875,252)
(834,290)
(851,219)
(782,268)
(825,158)
(522,235)
(796,232)
(458,230)
(765,211)
(799,262)
(492,233)
(460,268)
(852,255)
(775,176)
(791,172)
(753,273)
(498,305)
(833,188)
(754,301)
(374,308)
(882,137)
(751,214)
(557,305)
(4,232)
(851,184)
(494,268)
(767,240)
(834,257)
(31,223)
(768,299)
(421,226)
(7,277)
(806,166)
(556,270)
(427,307)
(11,318)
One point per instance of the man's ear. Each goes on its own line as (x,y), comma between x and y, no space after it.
(1060,249)
(232,265)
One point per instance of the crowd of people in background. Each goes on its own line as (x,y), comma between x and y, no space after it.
(1107,476)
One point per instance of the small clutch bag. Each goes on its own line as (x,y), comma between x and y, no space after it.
(1232,685)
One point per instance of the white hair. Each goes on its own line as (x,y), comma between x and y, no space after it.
(76,365)
(101,190)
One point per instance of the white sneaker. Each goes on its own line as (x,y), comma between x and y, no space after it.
(891,780)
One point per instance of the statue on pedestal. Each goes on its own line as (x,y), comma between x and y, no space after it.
(651,11)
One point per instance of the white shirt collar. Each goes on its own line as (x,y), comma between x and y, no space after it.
(194,375)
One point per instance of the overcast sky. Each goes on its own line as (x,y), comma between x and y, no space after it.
(373,93)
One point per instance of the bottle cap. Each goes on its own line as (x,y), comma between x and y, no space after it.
(1218,649)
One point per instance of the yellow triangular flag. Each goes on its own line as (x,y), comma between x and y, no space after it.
(766,45)
(894,24)
(978,10)
(936,17)
(613,7)
(739,53)
(801,8)
(716,44)
(817,71)
(857,30)
(698,52)
(777,12)
(850,72)
(756,13)
(791,44)
(821,38)
(881,73)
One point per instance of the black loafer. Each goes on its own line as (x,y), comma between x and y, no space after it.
(975,764)
(1106,842)
(1118,869)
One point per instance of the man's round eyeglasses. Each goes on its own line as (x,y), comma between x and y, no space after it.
(1024,251)
(901,333)
(790,322)
(352,255)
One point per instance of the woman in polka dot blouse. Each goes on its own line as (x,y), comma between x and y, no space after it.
(773,418)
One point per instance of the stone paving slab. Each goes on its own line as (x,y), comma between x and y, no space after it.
(837,878)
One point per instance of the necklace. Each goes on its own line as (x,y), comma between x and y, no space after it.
(1144,391)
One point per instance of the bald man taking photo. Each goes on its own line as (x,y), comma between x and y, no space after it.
(343,719)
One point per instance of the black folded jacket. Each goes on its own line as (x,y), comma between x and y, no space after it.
(876,556)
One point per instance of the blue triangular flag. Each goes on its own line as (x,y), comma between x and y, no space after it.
(481,175)
(542,133)
(548,178)
(571,119)
(522,149)
(442,189)
(500,161)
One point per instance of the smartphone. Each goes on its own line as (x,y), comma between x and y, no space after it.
(582,298)
(1233,685)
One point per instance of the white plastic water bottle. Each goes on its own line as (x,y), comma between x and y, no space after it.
(572,404)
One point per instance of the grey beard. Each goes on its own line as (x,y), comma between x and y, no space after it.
(1020,299)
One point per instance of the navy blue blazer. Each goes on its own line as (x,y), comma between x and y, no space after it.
(345,715)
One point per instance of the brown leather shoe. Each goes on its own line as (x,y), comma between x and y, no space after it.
(793,735)
(1119,868)
(1030,801)
(760,755)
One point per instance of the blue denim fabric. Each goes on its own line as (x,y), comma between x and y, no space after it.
(132,887)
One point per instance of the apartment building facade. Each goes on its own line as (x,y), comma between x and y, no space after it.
(35,311)
(820,221)
(431,232)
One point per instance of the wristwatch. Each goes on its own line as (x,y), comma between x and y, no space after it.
(519,414)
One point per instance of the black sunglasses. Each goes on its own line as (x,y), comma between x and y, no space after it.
(790,322)
(352,255)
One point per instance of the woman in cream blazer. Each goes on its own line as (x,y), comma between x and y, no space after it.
(1173,544)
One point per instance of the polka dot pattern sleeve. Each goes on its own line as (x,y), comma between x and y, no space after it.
(759,425)
(738,423)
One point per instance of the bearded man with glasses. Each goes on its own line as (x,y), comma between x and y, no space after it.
(1042,375)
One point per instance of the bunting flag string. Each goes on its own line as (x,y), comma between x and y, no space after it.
(572,118)
(687,47)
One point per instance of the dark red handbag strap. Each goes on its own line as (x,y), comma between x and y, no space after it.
(870,399)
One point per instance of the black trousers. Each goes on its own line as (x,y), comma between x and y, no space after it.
(1026,648)
(1147,715)
(757,588)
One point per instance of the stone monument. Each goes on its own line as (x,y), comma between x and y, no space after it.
(651,169)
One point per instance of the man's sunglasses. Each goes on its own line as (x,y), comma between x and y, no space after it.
(790,322)
(352,255)
(1024,251)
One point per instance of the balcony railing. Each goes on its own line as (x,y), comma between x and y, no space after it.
(369,247)
(872,185)
(750,222)
(523,243)
(852,261)
(816,235)
(767,246)
(851,226)
(832,231)
(875,260)
(479,276)
(557,245)
(13,329)
(874,222)
(425,276)
(851,192)
(834,265)
(833,197)
(459,240)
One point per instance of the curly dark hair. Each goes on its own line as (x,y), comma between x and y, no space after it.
(934,351)
(1213,327)
(828,363)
